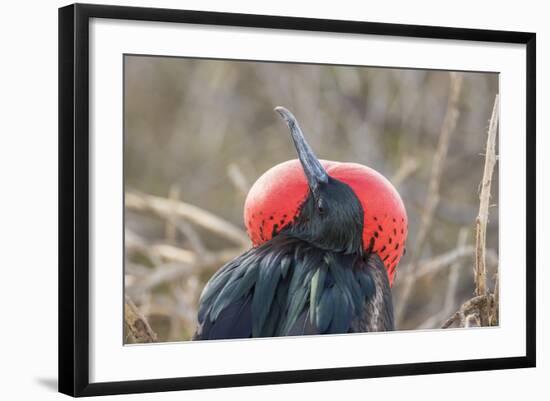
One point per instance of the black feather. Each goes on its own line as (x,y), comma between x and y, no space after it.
(334,291)
(235,322)
(251,296)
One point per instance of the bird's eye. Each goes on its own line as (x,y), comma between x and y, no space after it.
(321,207)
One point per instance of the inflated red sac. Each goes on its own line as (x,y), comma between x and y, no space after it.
(275,199)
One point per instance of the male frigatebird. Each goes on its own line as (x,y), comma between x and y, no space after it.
(327,237)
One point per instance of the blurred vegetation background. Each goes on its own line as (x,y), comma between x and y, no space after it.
(198,133)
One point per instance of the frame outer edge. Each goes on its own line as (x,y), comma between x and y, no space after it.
(66,305)
(73,200)
(531,182)
(73,174)
(81,198)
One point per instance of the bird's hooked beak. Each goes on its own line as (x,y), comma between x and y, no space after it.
(315,173)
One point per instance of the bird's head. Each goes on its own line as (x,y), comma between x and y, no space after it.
(342,207)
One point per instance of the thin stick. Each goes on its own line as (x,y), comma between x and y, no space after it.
(408,166)
(437,263)
(452,284)
(493,318)
(484,304)
(175,269)
(467,307)
(431,266)
(193,238)
(170,227)
(136,327)
(167,208)
(480,271)
(472,320)
(238,178)
(449,125)
(454,273)
(432,197)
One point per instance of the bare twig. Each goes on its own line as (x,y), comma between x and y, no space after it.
(156,253)
(167,208)
(484,198)
(494,312)
(467,308)
(187,296)
(136,327)
(435,264)
(175,270)
(408,166)
(170,228)
(173,253)
(449,125)
(432,197)
(238,179)
(133,243)
(454,270)
(472,320)
(193,237)
(484,311)
(160,275)
(450,295)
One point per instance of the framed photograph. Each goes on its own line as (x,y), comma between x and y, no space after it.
(251,199)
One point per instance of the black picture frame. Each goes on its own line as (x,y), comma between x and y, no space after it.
(74,198)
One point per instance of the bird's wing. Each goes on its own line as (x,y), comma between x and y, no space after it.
(246,297)
(284,288)
(234,322)
(225,302)
(377,312)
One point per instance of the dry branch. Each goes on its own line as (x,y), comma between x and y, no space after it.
(494,312)
(238,178)
(482,310)
(454,270)
(439,262)
(432,197)
(408,166)
(177,267)
(449,125)
(157,253)
(480,270)
(433,265)
(161,274)
(450,295)
(195,241)
(167,208)
(173,253)
(136,327)
(170,227)
(484,198)
(472,320)
(471,305)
